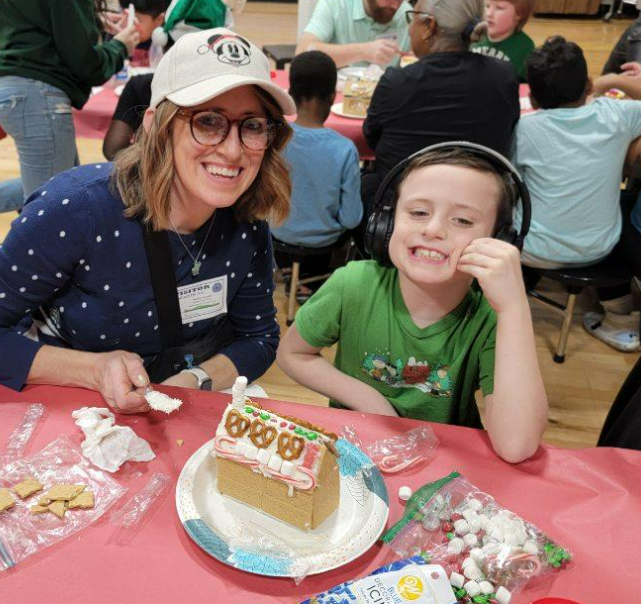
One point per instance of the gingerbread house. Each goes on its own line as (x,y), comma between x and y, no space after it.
(281,465)
(357,96)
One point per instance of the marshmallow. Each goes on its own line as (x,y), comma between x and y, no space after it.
(404,493)
(470,540)
(461,527)
(469,514)
(251,452)
(486,587)
(477,554)
(472,588)
(521,536)
(475,504)
(502,595)
(497,534)
(288,468)
(263,456)
(510,539)
(468,561)
(455,546)
(472,572)
(530,547)
(431,522)
(275,462)
(240,447)
(457,580)
(438,501)
(475,525)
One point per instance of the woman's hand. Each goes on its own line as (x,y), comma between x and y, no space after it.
(497,267)
(130,37)
(183,380)
(113,23)
(121,379)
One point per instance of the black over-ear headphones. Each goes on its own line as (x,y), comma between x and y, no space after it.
(381,221)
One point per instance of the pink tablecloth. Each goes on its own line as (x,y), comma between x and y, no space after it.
(587,500)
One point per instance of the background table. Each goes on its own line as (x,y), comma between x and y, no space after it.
(94,119)
(587,500)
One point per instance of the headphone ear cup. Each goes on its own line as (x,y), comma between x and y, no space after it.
(378,233)
(508,234)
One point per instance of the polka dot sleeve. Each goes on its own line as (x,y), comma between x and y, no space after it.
(37,259)
(252,312)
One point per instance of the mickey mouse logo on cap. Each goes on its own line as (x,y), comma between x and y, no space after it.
(229,49)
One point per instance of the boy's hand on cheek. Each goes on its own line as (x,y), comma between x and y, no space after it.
(497,267)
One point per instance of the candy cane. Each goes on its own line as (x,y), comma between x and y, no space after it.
(391,464)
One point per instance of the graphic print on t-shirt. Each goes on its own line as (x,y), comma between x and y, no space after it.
(429,377)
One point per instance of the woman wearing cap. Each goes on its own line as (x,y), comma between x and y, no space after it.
(128,269)
(449,94)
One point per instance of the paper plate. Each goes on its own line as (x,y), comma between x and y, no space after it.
(337,108)
(351,72)
(212,519)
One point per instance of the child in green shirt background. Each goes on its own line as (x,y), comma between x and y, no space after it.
(417,336)
(505,38)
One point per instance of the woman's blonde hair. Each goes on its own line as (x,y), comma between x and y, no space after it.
(144,172)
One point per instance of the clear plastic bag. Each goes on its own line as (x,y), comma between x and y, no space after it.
(22,433)
(487,550)
(22,533)
(133,511)
(397,453)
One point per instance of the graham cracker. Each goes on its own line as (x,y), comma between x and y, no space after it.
(28,487)
(6,500)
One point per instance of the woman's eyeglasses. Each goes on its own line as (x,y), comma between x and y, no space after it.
(211,128)
(409,15)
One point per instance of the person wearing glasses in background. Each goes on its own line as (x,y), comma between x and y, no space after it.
(449,94)
(203,175)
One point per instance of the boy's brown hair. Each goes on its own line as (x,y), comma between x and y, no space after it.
(524,10)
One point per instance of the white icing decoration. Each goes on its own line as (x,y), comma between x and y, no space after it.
(251,452)
(240,447)
(287,468)
(275,463)
(263,456)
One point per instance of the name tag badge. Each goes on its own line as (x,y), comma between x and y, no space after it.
(203,300)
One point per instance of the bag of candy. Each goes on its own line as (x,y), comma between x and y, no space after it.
(411,579)
(487,550)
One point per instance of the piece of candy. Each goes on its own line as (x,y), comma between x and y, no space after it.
(263,456)
(486,587)
(475,504)
(472,588)
(530,547)
(502,595)
(473,573)
(431,523)
(447,527)
(457,580)
(456,517)
(461,527)
(455,546)
(470,540)
(404,493)
(251,452)
(275,462)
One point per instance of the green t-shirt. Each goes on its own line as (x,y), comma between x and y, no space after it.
(429,374)
(516,49)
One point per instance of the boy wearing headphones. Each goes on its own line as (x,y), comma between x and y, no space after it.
(416,336)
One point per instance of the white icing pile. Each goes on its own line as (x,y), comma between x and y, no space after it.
(162,402)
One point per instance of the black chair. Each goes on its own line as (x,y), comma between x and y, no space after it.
(281,54)
(297,254)
(622,427)
(607,273)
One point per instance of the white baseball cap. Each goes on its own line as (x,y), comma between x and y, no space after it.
(205,64)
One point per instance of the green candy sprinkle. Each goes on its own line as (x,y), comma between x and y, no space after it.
(461,593)
(249,409)
(480,599)
(450,536)
(265,416)
(312,435)
(566,555)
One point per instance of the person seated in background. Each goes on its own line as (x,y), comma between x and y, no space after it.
(127,118)
(358,31)
(449,94)
(149,14)
(626,50)
(505,38)
(571,155)
(416,334)
(325,173)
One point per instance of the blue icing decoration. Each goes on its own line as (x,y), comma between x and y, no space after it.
(207,539)
(260,564)
(353,461)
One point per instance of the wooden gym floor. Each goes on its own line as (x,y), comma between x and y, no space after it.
(582,389)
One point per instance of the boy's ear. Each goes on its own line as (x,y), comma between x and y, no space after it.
(159,20)
(148,118)
(333,97)
(533,102)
